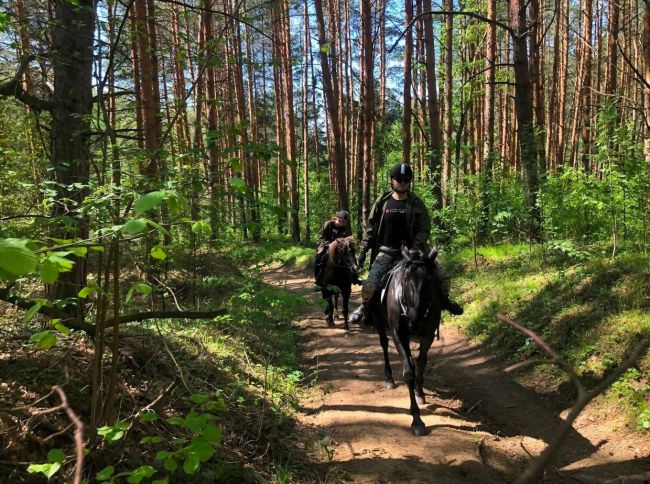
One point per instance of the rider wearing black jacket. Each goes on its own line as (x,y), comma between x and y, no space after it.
(397,218)
(338,226)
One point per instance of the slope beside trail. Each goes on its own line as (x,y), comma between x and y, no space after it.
(483,426)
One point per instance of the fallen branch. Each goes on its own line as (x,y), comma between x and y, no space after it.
(78,432)
(75,323)
(536,469)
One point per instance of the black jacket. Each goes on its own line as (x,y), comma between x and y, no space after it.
(418,220)
(328,233)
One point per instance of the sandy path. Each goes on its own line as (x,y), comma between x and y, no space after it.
(483,426)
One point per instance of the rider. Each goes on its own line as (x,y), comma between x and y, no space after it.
(397,218)
(338,226)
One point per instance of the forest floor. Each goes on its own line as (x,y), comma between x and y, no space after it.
(483,425)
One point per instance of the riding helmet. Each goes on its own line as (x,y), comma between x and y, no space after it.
(343,214)
(403,170)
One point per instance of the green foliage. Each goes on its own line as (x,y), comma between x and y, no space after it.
(55,458)
(591,310)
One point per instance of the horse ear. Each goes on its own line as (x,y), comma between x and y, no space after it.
(406,253)
(433,254)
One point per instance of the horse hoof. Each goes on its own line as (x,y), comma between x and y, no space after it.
(419,400)
(419,430)
(346,333)
(389,385)
(330,322)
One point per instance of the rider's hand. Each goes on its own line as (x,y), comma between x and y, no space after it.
(362,259)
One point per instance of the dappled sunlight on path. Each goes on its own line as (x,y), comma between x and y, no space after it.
(482,425)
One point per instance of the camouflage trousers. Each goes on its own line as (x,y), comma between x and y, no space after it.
(384,262)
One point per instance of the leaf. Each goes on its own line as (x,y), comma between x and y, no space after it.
(60,327)
(238,184)
(201,448)
(212,433)
(158,227)
(177,204)
(105,473)
(49,272)
(46,469)
(56,455)
(176,420)
(202,227)
(15,257)
(161,481)
(79,251)
(157,252)
(151,440)
(139,287)
(140,473)
(149,201)
(171,465)
(88,290)
(63,264)
(325,48)
(148,416)
(135,226)
(198,398)
(163,454)
(32,312)
(43,340)
(191,464)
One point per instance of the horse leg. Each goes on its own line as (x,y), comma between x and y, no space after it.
(404,351)
(383,340)
(346,308)
(425,344)
(330,311)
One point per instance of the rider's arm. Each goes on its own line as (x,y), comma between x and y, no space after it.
(422,226)
(370,230)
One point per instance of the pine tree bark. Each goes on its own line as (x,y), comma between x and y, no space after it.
(367,104)
(332,109)
(408,81)
(524,109)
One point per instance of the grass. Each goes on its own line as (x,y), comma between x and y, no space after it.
(590,308)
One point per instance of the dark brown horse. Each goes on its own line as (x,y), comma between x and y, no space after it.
(341,269)
(411,309)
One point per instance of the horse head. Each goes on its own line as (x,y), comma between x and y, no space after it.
(416,281)
(343,253)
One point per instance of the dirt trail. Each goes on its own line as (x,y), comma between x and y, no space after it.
(483,426)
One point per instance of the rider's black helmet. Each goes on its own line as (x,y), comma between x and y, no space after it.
(343,214)
(403,170)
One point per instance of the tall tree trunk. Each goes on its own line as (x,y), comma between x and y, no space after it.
(433,110)
(367,103)
(290,123)
(305,118)
(407,86)
(524,108)
(449,99)
(488,125)
(332,109)
(72,47)
(646,88)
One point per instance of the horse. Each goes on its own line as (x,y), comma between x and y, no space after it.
(412,307)
(340,270)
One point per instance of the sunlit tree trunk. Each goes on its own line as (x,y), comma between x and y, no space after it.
(407,86)
(332,109)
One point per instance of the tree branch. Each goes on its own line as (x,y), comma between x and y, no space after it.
(535,470)
(14,88)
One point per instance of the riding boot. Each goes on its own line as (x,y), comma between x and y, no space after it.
(453,307)
(358,316)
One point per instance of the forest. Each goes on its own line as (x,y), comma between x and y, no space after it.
(166,167)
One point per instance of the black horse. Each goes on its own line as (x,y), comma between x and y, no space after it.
(340,270)
(411,308)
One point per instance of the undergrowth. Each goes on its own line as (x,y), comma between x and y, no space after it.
(200,401)
(591,308)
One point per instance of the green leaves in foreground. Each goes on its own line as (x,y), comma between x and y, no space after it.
(16,259)
(55,458)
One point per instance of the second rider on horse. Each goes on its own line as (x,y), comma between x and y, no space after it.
(397,218)
(337,227)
